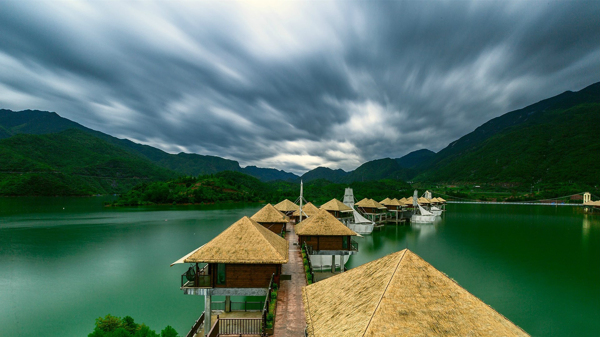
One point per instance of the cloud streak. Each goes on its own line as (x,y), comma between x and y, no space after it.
(293,85)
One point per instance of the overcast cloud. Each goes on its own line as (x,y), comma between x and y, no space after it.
(293,85)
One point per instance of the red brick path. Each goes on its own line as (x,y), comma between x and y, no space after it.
(290,320)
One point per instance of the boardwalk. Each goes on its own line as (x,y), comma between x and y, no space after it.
(290,320)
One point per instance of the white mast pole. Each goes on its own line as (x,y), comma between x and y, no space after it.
(301,197)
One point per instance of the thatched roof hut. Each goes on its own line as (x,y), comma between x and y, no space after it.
(370,203)
(399,202)
(399,295)
(308,210)
(423,201)
(336,205)
(269,214)
(323,224)
(244,242)
(286,206)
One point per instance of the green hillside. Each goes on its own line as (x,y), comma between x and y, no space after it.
(324,173)
(378,169)
(44,122)
(70,162)
(555,140)
(238,187)
(415,158)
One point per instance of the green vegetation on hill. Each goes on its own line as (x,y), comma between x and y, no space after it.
(415,158)
(230,186)
(552,141)
(42,122)
(70,162)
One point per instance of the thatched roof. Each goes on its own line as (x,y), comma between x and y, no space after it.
(309,209)
(441,200)
(385,201)
(422,201)
(369,203)
(400,202)
(286,206)
(399,295)
(336,205)
(246,242)
(269,214)
(324,224)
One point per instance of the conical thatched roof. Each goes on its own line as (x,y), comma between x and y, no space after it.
(325,224)
(422,201)
(386,201)
(441,200)
(309,210)
(286,206)
(246,242)
(269,214)
(399,295)
(398,202)
(336,205)
(370,203)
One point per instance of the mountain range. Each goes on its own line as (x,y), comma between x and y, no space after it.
(552,140)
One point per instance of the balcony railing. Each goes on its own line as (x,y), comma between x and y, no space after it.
(237,327)
(194,278)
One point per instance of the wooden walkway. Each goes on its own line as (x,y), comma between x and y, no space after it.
(290,320)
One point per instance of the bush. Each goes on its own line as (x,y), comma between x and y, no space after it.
(168,331)
(274,295)
(306,268)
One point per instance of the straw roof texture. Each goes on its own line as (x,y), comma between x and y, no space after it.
(269,214)
(399,295)
(336,205)
(385,201)
(324,224)
(422,200)
(246,242)
(370,203)
(441,200)
(395,202)
(309,210)
(286,206)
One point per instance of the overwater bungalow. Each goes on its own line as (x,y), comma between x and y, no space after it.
(399,295)
(241,261)
(325,238)
(372,210)
(271,218)
(308,210)
(394,206)
(339,210)
(287,207)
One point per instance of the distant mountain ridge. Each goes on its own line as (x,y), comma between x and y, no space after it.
(415,158)
(44,122)
(554,140)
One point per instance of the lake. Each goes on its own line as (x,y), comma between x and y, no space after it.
(66,261)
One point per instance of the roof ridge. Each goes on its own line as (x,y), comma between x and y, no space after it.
(258,227)
(384,291)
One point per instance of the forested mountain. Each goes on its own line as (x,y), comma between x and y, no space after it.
(324,173)
(550,141)
(44,122)
(378,169)
(71,162)
(415,158)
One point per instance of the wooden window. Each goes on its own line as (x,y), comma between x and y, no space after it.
(221,273)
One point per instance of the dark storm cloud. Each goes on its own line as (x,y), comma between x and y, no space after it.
(293,85)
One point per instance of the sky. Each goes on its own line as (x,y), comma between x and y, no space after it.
(288,84)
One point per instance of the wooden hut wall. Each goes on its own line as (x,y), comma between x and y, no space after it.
(246,275)
(273,227)
(326,242)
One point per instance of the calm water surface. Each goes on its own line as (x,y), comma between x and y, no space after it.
(66,261)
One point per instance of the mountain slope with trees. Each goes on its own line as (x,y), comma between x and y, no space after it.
(555,140)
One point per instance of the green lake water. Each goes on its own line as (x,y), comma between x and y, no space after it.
(66,261)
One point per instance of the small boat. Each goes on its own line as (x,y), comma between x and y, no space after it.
(436,211)
(421,215)
(359,223)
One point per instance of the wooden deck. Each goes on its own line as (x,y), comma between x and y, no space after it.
(290,320)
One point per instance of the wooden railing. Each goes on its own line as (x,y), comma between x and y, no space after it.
(196,326)
(236,326)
